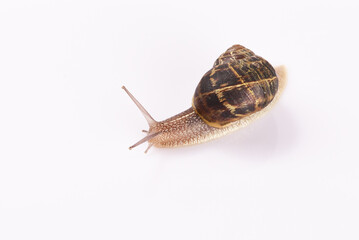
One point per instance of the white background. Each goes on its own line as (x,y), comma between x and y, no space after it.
(66,124)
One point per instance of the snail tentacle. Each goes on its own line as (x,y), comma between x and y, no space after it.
(148,117)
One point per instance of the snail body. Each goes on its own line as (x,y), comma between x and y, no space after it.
(239,88)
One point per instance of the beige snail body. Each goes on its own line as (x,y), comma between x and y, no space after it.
(239,88)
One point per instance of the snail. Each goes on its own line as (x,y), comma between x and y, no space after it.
(239,88)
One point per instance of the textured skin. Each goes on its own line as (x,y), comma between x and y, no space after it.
(187,128)
(239,84)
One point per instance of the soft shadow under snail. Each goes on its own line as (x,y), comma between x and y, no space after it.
(239,88)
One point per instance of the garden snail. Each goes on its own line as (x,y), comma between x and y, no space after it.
(239,88)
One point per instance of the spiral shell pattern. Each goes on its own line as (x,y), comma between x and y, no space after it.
(239,84)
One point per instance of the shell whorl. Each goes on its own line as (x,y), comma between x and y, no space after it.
(239,84)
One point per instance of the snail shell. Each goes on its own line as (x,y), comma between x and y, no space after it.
(239,84)
(239,88)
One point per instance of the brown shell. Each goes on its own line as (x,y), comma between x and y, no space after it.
(239,84)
